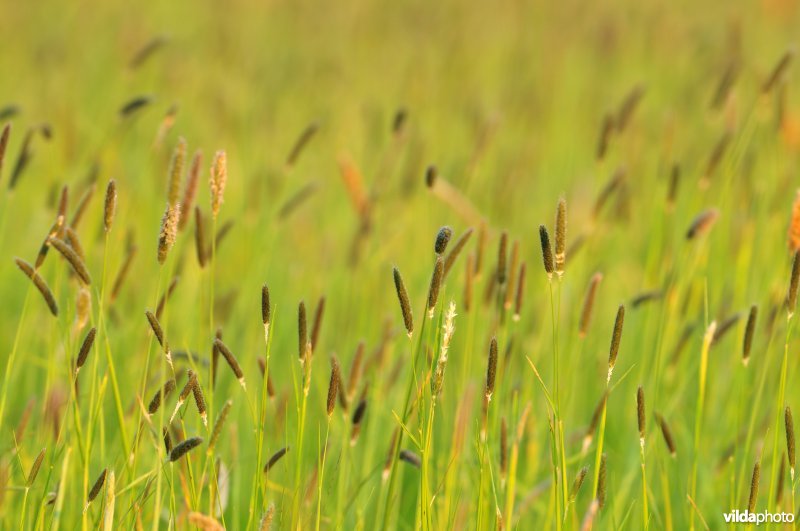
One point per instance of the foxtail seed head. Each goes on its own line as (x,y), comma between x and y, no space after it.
(615,339)
(219,177)
(405,306)
(436,283)
(442,239)
(561,237)
(547,253)
(110,207)
(491,369)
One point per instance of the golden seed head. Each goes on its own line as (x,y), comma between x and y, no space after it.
(219,177)
(169,231)
(176,172)
(561,237)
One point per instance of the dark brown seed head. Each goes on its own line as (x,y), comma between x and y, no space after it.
(615,339)
(266,309)
(480,247)
(167,439)
(4,144)
(456,250)
(520,291)
(275,458)
(200,237)
(702,223)
(442,239)
(184,447)
(502,266)
(355,368)
(358,414)
(777,72)
(333,387)
(674,181)
(98,485)
(547,253)
(598,410)
(405,305)
(123,273)
(606,128)
(74,260)
(588,304)
(431,173)
(302,331)
(317,327)
(491,369)
(789,425)
(576,485)
(160,396)
(156,327)
(83,203)
(387,465)
(561,237)
(230,358)
(37,464)
(748,333)
(86,346)
(411,458)
(199,398)
(791,298)
(218,424)
(399,121)
(751,504)
(469,277)
(40,284)
(601,482)
(436,284)
(302,141)
(667,434)
(110,207)
(640,412)
(191,378)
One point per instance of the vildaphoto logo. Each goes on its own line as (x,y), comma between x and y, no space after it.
(746,517)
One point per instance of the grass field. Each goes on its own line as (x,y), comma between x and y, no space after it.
(511,265)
